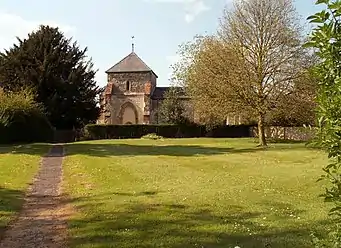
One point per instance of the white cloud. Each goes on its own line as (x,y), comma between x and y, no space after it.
(195,9)
(12,26)
(192,8)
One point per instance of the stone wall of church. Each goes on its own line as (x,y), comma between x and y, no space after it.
(149,107)
(153,81)
(136,79)
(118,101)
(154,118)
(141,85)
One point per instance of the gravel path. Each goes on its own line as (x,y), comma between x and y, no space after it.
(42,221)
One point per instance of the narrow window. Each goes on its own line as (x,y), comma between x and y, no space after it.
(128,86)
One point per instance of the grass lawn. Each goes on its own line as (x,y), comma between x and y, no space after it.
(193,193)
(18,165)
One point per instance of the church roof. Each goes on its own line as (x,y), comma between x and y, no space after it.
(130,63)
(159,92)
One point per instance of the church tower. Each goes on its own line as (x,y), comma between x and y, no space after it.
(127,97)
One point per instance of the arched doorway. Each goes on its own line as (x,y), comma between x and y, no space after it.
(128,114)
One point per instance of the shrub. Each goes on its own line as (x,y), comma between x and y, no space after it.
(94,131)
(152,136)
(326,41)
(22,119)
(236,131)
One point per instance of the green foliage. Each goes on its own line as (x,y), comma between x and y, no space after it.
(59,74)
(326,39)
(294,113)
(172,109)
(152,136)
(333,240)
(299,107)
(22,119)
(94,131)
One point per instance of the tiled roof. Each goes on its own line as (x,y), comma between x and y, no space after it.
(130,63)
(160,91)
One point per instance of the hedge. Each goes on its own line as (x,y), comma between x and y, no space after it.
(97,131)
(26,129)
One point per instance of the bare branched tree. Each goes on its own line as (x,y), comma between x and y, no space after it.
(254,59)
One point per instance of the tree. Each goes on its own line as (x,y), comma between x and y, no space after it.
(299,107)
(326,39)
(57,71)
(22,119)
(213,97)
(172,109)
(250,63)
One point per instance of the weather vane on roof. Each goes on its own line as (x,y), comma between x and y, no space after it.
(132,43)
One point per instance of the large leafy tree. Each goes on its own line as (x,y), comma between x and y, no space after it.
(326,39)
(58,72)
(253,60)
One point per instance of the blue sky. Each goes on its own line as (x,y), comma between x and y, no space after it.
(106,26)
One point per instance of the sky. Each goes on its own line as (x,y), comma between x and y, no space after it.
(105,27)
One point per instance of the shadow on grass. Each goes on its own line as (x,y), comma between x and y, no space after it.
(32,149)
(10,202)
(137,224)
(285,141)
(144,193)
(103,150)
(134,223)
(106,149)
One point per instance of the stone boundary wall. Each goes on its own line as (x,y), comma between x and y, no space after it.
(287,133)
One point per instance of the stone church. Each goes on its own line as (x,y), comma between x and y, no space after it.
(131,95)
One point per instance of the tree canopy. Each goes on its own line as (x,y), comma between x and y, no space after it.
(22,119)
(172,109)
(246,68)
(59,74)
(326,40)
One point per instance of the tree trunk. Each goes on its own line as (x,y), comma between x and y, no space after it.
(261,130)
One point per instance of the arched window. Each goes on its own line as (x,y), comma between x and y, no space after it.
(128,86)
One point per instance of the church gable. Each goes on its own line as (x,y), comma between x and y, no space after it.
(131,63)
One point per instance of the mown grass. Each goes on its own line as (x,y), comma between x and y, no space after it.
(18,165)
(194,193)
